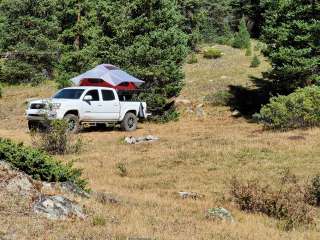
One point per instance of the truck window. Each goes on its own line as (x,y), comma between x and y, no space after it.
(69,94)
(94,94)
(108,95)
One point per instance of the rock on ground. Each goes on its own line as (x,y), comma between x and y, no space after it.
(57,208)
(220,214)
(137,140)
(54,207)
(192,195)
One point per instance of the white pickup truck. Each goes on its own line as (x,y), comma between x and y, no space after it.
(86,106)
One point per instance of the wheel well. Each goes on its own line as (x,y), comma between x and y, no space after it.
(74,112)
(132,111)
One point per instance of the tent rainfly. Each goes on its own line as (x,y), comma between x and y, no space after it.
(106,75)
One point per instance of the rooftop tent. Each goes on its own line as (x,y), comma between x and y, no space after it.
(107,75)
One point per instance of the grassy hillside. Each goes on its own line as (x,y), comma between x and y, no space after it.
(194,154)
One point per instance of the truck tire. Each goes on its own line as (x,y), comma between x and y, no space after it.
(73,123)
(33,126)
(129,122)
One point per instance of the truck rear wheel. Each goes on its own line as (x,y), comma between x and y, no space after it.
(129,122)
(73,123)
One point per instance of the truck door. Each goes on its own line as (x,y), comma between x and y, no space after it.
(92,110)
(110,105)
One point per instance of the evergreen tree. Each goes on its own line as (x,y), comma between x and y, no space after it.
(218,18)
(145,38)
(79,34)
(193,19)
(253,11)
(28,40)
(292,34)
(242,38)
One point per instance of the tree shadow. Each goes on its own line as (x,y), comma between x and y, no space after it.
(249,100)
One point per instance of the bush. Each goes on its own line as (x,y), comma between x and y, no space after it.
(255,62)
(313,191)
(248,52)
(192,59)
(287,204)
(99,221)
(56,139)
(298,110)
(242,38)
(121,169)
(220,98)
(39,165)
(212,53)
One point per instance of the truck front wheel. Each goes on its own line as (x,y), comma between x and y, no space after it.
(73,123)
(129,122)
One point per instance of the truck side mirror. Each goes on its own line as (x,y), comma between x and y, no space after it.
(87,98)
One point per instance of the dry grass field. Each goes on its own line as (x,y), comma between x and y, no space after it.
(193,154)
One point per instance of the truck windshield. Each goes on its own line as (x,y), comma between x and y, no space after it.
(69,94)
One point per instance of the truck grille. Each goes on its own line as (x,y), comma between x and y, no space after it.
(38,106)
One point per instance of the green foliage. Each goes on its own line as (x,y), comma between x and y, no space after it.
(255,61)
(121,169)
(193,19)
(212,53)
(99,221)
(56,139)
(242,38)
(216,27)
(28,37)
(292,37)
(248,51)
(38,164)
(253,11)
(192,59)
(220,98)
(297,110)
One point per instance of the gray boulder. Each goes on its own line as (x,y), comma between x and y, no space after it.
(57,208)
(220,214)
(137,140)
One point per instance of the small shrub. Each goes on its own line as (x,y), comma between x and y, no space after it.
(298,110)
(248,51)
(212,53)
(56,139)
(99,221)
(121,169)
(287,204)
(39,165)
(255,62)
(313,191)
(220,98)
(192,59)
(242,38)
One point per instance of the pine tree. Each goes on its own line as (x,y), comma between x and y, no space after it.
(242,38)
(255,61)
(292,34)
(218,18)
(193,20)
(145,38)
(79,34)
(253,11)
(28,40)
